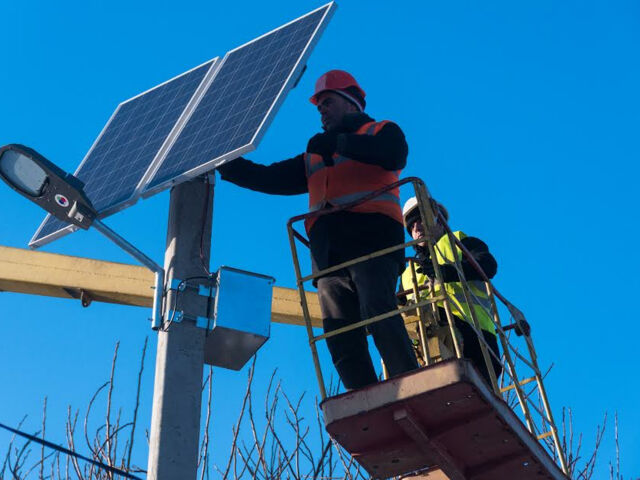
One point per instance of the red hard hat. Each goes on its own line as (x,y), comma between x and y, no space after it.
(342,83)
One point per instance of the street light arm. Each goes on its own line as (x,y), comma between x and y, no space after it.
(127,247)
(156,317)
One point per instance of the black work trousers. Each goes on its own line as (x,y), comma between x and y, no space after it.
(473,351)
(359,292)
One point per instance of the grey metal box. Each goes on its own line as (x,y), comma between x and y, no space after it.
(242,318)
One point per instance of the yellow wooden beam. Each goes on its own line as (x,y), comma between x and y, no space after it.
(54,275)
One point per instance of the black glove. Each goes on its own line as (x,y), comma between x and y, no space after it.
(231,169)
(324,144)
(426,268)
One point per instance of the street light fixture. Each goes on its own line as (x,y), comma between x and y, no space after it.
(41,181)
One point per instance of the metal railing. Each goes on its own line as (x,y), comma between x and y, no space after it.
(526,390)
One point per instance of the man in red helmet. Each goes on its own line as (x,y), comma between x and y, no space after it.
(352,157)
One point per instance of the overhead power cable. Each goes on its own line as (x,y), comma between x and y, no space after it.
(66,451)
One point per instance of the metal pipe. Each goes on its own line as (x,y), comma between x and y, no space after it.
(521,383)
(547,408)
(305,311)
(421,320)
(526,362)
(552,424)
(363,258)
(540,412)
(126,246)
(347,206)
(377,318)
(158,295)
(507,355)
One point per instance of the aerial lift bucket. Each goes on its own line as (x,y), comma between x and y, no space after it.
(438,422)
(442,421)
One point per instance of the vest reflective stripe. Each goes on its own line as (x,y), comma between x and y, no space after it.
(385,197)
(348,180)
(313,163)
(375,127)
(338,159)
(479,298)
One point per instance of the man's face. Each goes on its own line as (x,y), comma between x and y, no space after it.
(333,107)
(418,231)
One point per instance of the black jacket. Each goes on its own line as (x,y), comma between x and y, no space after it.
(341,236)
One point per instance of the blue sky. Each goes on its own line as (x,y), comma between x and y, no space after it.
(522,118)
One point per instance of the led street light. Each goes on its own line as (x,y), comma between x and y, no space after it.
(36,178)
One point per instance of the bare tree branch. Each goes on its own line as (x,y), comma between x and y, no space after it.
(204,450)
(71,427)
(237,427)
(44,423)
(108,413)
(137,402)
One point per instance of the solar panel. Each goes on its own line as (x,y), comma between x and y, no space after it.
(114,168)
(241,100)
(194,122)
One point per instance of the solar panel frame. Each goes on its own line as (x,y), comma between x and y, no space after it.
(288,84)
(36,242)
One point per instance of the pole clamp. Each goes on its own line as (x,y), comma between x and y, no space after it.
(207,291)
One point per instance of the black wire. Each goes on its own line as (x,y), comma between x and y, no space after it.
(70,452)
(211,278)
(205,213)
(165,328)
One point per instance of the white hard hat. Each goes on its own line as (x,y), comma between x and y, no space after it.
(411,204)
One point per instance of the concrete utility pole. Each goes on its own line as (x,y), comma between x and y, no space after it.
(177,392)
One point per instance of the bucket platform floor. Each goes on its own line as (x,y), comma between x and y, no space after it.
(442,420)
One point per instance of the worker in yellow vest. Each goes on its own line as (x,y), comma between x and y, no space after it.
(352,157)
(445,257)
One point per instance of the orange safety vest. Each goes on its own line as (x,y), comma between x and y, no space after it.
(349,180)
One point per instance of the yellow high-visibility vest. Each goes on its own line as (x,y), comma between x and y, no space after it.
(479,298)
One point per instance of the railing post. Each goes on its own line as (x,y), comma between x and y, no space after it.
(427,216)
(305,311)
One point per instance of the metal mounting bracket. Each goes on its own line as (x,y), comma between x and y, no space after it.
(177,316)
(202,290)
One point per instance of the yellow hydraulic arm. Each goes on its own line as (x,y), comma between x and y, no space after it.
(54,275)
